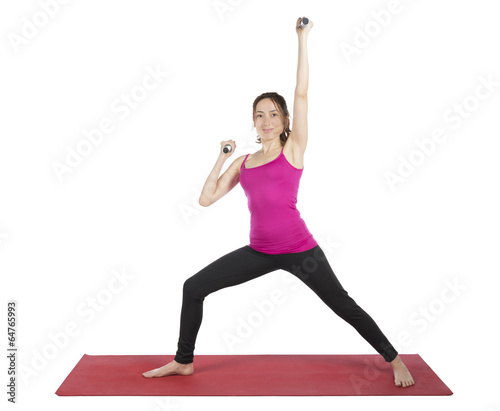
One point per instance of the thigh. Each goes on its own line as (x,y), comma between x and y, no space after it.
(314,270)
(235,267)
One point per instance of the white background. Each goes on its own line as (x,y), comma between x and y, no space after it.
(131,204)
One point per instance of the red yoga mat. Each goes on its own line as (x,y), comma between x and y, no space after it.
(263,375)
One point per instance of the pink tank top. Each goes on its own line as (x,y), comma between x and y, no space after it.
(275,223)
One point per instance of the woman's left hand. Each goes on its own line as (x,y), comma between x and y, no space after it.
(303,31)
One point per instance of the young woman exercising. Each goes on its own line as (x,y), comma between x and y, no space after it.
(279,238)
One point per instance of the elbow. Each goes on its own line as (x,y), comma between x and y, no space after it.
(300,92)
(204,203)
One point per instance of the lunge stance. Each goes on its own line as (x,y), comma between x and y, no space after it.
(279,237)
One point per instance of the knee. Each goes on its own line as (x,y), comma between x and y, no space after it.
(189,287)
(190,290)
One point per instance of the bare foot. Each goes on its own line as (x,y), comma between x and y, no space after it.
(402,377)
(170,369)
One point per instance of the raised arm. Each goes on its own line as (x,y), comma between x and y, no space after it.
(299,125)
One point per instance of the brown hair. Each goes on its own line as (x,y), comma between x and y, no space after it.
(280,102)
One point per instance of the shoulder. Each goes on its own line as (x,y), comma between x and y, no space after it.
(236,164)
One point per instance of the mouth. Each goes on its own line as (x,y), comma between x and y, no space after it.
(267,130)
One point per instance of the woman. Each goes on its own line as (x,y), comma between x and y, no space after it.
(279,238)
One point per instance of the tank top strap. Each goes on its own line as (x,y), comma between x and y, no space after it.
(242,164)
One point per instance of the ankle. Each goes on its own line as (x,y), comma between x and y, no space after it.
(396,361)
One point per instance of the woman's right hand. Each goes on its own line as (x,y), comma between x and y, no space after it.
(230,153)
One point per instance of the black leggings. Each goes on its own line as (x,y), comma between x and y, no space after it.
(244,264)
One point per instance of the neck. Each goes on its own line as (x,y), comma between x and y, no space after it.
(270,146)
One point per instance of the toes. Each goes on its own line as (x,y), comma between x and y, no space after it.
(407,383)
(149,374)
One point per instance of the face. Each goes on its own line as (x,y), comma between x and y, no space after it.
(267,120)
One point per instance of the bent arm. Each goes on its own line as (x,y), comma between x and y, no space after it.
(216,187)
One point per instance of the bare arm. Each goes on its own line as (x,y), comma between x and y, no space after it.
(216,187)
(302,63)
(299,126)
